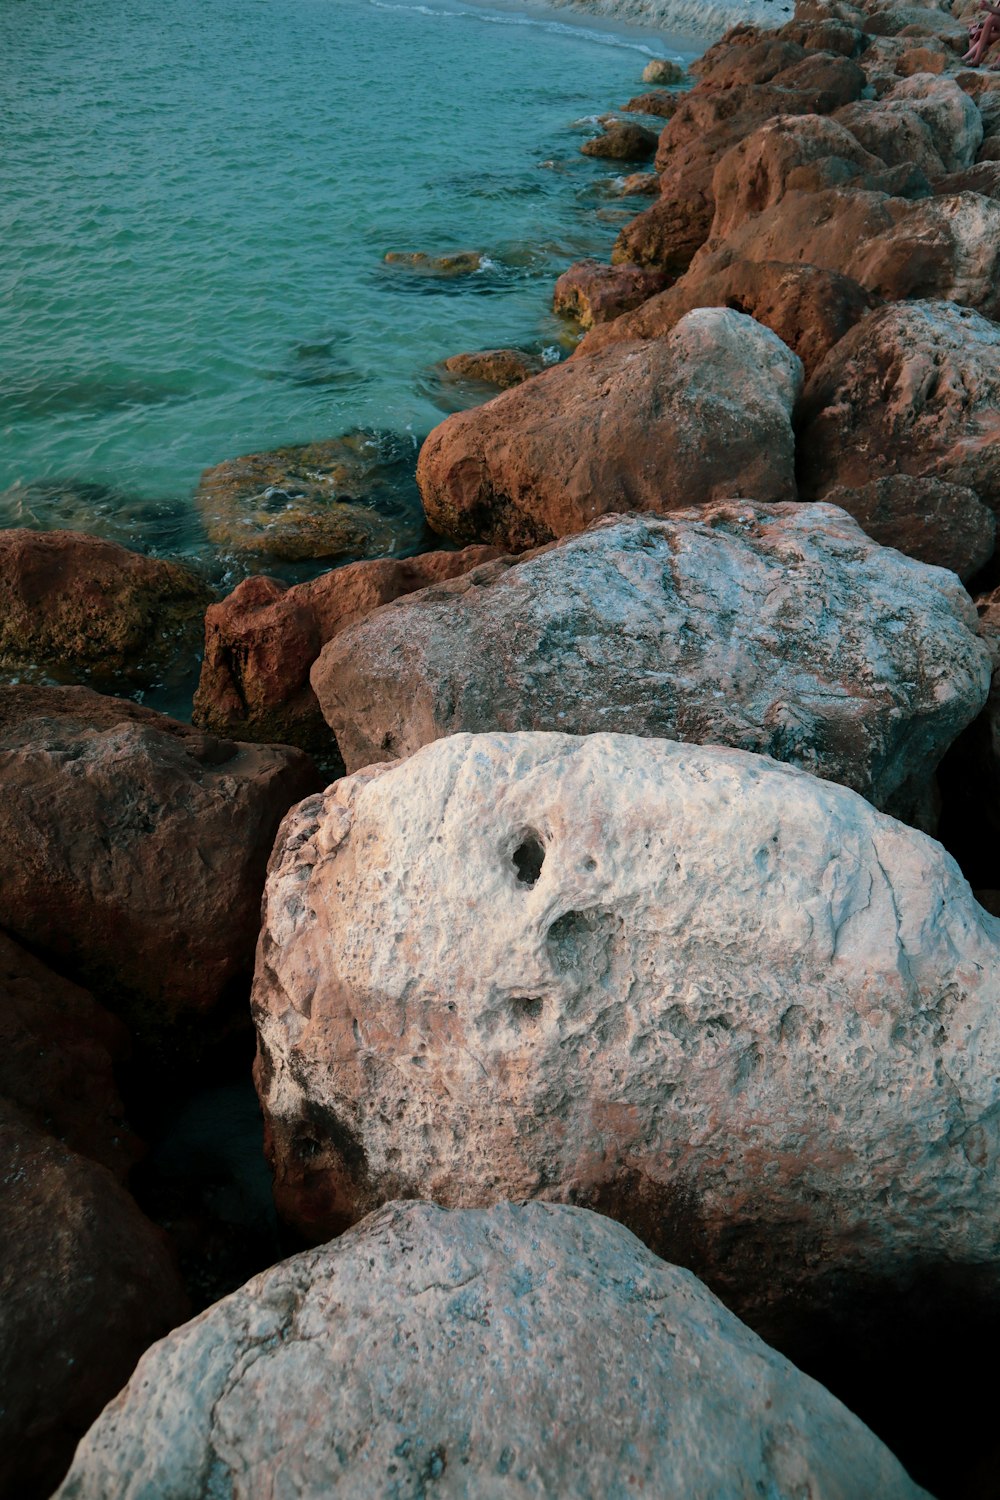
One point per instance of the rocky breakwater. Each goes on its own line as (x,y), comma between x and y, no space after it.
(435,1339)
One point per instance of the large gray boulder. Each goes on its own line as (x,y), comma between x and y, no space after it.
(519,1352)
(779,629)
(726,1002)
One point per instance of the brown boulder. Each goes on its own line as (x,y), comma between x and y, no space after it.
(86,1285)
(809,309)
(982,178)
(261,641)
(983,85)
(638,185)
(657,102)
(924,120)
(936,522)
(663,70)
(58,1049)
(731,62)
(312,500)
(825,36)
(914,389)
(80,607)
(500,367)
(702,414)
(133,848)
(592,292)
(622,141)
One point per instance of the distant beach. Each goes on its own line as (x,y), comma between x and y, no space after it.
(684,23)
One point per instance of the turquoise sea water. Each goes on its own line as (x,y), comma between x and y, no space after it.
(198,198)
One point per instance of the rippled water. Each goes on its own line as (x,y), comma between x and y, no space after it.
(198,198)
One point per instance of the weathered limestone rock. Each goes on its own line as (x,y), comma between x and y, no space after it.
(725,1002)
(458,263)
(133,848)
(632,628)
(656,102)
(261,641)
(311,500)
(500,367)
(697,416)
(83,607)
(825,36)
(943,524)
(923,119)
(662,71)
(622,141)
(86,1285)
(936,368)
(809,309)
(554,1355)
(58,1049)
(731,61)
(593,292)
(983,178)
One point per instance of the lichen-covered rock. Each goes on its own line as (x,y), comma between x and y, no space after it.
(723,1001)
(81,607)
(261,641)
(936,369)
(325,499)
(531,1351)
(808,308)
(943,524)
(133,847)
(86,1285)
(592,292)
(850,660)
(700,415)
(58,1050)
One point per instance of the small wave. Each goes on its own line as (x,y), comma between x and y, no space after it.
(554,28)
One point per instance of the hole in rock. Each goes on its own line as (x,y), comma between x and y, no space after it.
(528,858)
(527,1005)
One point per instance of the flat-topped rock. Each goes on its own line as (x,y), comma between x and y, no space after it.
(848,659)
(554,1356)
(697,416)
(726,1003)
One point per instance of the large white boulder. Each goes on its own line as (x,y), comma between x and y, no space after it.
(517,1353)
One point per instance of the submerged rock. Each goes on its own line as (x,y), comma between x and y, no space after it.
(662,70)
(697,416)
(622,141)
(458,263)
(83,608)
(314,500)
(936,370)
(848,659)
(725,1002)
(538,1351)
(133,848)
(86,1285)
(261,641)
(593,292)
(500,367)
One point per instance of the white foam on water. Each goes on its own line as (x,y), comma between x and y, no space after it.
(542,23)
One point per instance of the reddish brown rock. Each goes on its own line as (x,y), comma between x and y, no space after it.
(936,370)
(133,848)
(500,367)
(656,102)
(86,1285)
(825,36)
(742,60)
(622,141)
(592,292)
(936,522)
(809,309)
(261,641)
(931,56)
(81,607)
(58,1049)
(700,415)
(990,149)
(922,120)
(638,185)
(982,178)
(983,85)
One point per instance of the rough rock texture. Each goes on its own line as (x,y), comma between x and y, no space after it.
(661,70)
(553,1354)
(86,1285)
(133,848)
(697,416)
(719,999)
(593,293)
(923,119)
(500,367)
(983,178)
(943,524)
(849,660)
(261,641)
(936,368)
(808,308)
(945,248)
(656,102)
(312,500)
(458,263)
(58,1049)
(79,606)
(622,141)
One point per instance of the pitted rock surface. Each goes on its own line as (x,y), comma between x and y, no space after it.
(526,1352)
(725,1002)
(697,416)
(777,629)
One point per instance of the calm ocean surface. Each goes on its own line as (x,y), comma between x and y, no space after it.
(198,197)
